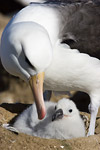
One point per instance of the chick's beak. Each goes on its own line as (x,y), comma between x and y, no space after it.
(57,115)
(36,84)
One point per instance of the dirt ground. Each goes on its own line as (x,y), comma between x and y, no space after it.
(9,140)
(14,90)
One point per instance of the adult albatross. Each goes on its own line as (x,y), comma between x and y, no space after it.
(33,47)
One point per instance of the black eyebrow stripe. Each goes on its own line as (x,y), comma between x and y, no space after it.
(26,59)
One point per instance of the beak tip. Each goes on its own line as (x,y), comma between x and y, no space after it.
(41,117)
(41,114)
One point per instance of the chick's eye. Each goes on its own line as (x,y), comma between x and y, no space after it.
(70,110)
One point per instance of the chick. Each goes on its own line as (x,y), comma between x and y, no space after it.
(62,121)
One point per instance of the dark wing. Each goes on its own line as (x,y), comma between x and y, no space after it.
(79,24)
(80,27)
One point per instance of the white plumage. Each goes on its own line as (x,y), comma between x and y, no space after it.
(27,2)
(31,46)
(64,126)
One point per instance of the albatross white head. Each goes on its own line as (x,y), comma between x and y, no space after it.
(26,52)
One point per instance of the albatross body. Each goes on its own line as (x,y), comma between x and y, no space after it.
(34,48)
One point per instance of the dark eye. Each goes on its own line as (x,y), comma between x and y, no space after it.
(55,107)
(28,62)
(70,110)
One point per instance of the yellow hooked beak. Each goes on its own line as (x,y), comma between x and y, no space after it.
(36,84)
